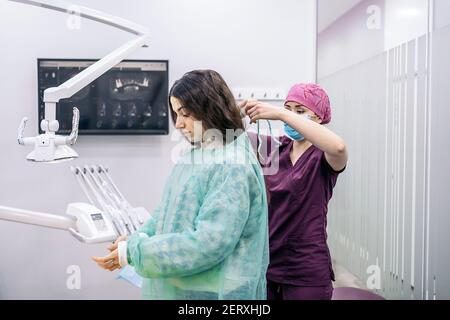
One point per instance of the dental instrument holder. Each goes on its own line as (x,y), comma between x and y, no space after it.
(101,191)
(49,147)
(91,224)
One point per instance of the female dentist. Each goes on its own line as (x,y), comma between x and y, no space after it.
(310,159)
(208,237)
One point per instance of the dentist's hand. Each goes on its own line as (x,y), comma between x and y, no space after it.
(257,110)
(241,106)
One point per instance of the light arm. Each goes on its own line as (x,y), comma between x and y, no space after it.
(80,222)
(46,145)
(37,218)
(84,78)
(88,13)
(50,147)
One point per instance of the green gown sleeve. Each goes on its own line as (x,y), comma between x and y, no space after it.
(217,229)
(149,227)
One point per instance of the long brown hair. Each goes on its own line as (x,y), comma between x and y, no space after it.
(205,95)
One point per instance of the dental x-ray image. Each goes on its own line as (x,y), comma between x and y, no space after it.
(132,98)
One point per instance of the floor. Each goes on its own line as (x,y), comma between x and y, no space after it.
(345,278)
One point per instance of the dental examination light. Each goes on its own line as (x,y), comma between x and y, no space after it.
(87,223)
(49,147)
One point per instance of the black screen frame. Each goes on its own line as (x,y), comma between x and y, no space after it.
(110,132)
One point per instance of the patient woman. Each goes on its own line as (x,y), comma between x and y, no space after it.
(208,237)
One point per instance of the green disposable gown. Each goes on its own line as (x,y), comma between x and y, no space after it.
(208,237)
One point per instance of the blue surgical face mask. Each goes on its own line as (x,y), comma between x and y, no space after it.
(292,133)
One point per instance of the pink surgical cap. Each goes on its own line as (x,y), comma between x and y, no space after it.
(314,98)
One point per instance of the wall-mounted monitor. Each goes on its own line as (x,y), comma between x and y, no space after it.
(130,99)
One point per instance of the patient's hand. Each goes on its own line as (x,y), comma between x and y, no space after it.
(111,261)
(113,246)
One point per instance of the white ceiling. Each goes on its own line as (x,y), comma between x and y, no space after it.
(331,10)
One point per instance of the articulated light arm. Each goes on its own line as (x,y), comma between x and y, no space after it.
(48,146)
(37,218)
(80,222)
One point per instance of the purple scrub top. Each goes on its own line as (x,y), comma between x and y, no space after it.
(298,204)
